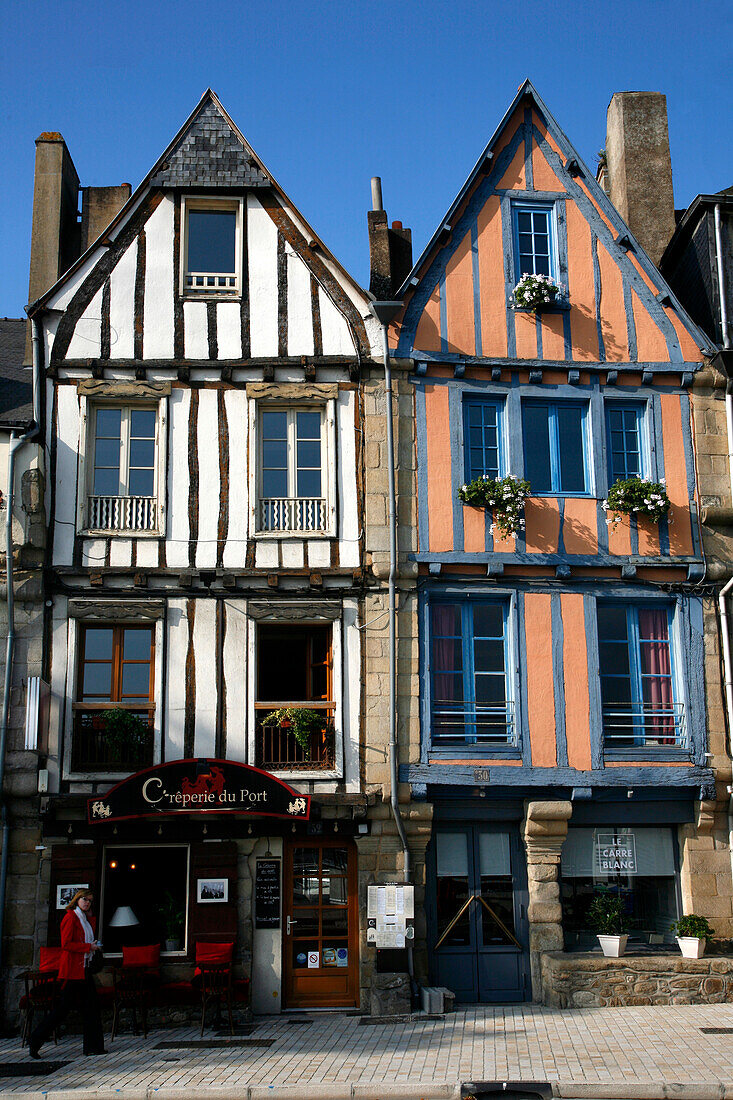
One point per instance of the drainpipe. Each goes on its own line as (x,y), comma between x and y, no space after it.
(16,442)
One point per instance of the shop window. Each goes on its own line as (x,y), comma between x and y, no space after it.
(637,678)
(555,446)
(293,493)
(148,885)
(295,672)
(211,247)
(535,251)
(637,864)
(114,711)
(122,490)
(482,438)
(625,441)
(471,700)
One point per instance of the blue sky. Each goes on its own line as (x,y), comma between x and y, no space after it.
(330,93)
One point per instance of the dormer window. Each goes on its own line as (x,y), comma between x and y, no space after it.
(212,247)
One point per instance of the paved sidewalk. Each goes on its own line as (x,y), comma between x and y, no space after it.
(623,1053)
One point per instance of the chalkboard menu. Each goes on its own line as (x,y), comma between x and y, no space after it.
(267,893)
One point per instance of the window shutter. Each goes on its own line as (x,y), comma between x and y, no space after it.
(71,864)
(212,921)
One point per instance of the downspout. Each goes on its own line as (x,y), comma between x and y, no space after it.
(16,442)
(722,598)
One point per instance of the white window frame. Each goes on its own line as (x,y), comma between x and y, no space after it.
(87,411)
(327,409)
(194,202)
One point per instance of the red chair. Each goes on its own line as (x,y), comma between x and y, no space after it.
(133,984)
(213,976)
(41,989)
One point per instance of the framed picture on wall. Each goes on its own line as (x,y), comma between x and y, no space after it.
(64,894)
(212,890)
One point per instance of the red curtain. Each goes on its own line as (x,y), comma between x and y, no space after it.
(659,719)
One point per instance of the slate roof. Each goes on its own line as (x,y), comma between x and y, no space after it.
(16,390)
(209,154)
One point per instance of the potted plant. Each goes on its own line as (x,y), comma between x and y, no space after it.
(608,917)
(302,722)
(504,497)
(637,496)
(171,917)
(533,292)
(126,734)
(692,935)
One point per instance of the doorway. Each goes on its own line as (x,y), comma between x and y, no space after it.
(321,917)
(478,913)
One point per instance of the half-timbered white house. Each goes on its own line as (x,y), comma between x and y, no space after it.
(204,422)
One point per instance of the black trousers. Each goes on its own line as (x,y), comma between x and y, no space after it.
(81,995)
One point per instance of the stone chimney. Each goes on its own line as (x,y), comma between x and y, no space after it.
(639,169)
(390,250)
(99,205)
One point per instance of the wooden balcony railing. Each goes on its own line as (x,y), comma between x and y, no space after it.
(276,748)
(122,513)
(92,750)
(211,281)
(292,514)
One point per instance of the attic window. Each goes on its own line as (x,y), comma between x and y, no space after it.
(211,247)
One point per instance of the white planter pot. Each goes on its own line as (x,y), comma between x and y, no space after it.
(692,947)
(613,946)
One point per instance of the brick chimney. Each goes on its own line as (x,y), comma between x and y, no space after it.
(639,168)
(390,250)
(99,205)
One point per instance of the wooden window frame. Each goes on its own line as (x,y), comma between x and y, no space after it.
(201,202)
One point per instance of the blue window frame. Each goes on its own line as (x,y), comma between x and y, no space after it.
(555,446)
(535,250)
(625,440)
(482,434)
(471,702)
(637,677)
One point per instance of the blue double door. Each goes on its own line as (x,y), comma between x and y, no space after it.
(477,912)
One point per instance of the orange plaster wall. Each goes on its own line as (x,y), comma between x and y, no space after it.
(427,336)
(580,526)
(644,764)
(690,351)
(613,313)
(478,763)
(651,346)
(648,536)
(543,176)
(540,689)
(575,662)
(542,515)
(514,177)
(619,537)
(474,530)
(680,532)
(440,502)
(580,287)
(553,338)
(459,300)
(491,280)
(504,546)
(525,328)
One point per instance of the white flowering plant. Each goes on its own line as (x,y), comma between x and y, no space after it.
(535,291)
(503,496)
(637,496)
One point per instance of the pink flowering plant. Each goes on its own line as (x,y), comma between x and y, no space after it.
(535,291)
(503,496)
(636,496)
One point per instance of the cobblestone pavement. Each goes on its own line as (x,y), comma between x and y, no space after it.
(590,1052)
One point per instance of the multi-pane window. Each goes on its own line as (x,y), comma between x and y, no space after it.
(470,701)
(637,681)
(123,469)
(482,433)
(115,675)
(211,250)
(555,446)
(625,441)
(292,493)
(534,239)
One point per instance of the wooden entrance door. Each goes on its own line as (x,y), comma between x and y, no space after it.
(321,917)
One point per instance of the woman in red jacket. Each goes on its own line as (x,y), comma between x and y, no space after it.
(78,944)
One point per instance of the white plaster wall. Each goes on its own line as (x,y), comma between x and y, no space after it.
(122,305)
(175,685)
(267,555)
(348,512)
(178,480)
(334,329)
(229,330)
(204,646)
(262,256)
(86,343)
(49,325)
(292,552)
(159,289)
(66,473)
(147,553)
(235,679)
(195,331)
(209,482)
(26,458)
(65,294)
(235,551)
(300,310)
(92,553)
(120,552)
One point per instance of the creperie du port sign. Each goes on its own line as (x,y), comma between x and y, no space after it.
(615,853)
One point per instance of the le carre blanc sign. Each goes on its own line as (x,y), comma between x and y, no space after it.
(198,787)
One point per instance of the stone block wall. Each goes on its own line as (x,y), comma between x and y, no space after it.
(588,980)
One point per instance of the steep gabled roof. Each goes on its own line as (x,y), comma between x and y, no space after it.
(16,388)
